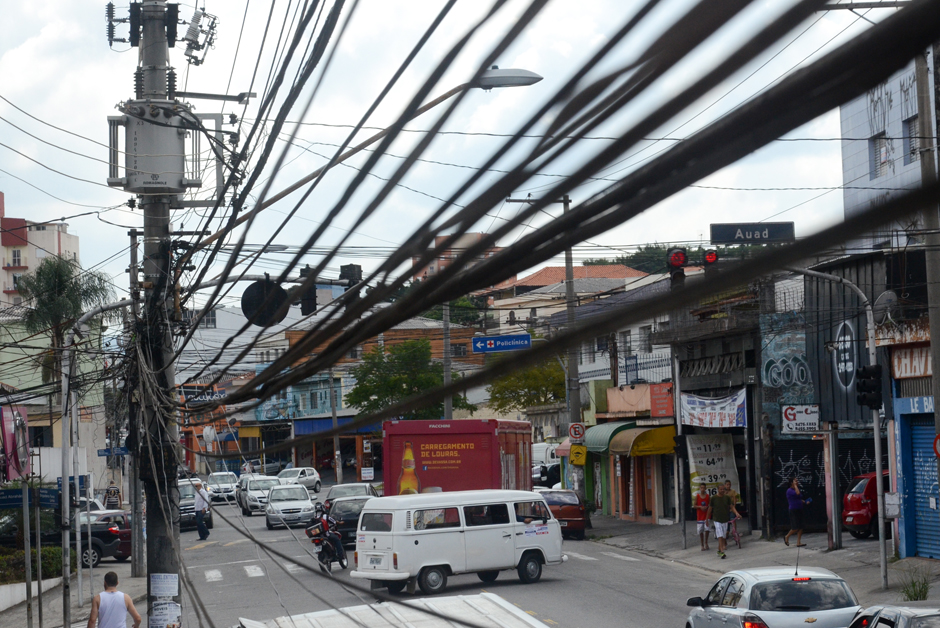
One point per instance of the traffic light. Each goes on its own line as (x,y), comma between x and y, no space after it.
(868,386)
(710,261)
(352,275)
(308,302)
(680,440)
(676,260)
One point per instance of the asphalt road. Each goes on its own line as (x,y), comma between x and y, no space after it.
(599,586)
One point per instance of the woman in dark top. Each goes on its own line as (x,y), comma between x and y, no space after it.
(796,502)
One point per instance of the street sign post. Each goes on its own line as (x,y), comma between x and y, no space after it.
(576,432)
(102,453)
(752,232)
(48,498)
(120,451)
(11,498)
(495,344)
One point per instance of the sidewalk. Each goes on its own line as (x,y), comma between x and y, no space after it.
(857,562)
(52,599)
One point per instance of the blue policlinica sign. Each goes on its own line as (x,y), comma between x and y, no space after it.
(752,232)
(494,344)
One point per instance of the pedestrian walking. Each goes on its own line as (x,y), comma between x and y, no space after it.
(719,511)
(733,494)
(201,506)
(702,500)
(796,502)
(111,607)
(112,497)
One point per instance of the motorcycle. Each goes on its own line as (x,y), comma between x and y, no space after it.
(322,545)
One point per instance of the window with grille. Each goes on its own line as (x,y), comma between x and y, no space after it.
(911,140)
(17,257)
(601,343)
(458,350)
(626,343)
(645,345)
(877,155)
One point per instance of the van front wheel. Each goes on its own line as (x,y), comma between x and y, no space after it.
(488,576)
(432,580)
(530,569)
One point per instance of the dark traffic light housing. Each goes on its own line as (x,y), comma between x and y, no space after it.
(308,301)
(677,259)
(681,450)
(868,386)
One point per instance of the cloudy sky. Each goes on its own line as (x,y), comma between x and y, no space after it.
(56,66)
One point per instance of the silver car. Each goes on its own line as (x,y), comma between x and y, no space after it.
(776,597)
(222,485)
(255,495)
(288,505)
(305,476)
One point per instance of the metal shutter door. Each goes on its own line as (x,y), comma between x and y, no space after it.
(926,519)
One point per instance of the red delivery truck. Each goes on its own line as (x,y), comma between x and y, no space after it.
(459,455)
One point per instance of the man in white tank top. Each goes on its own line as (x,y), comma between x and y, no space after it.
(110,607)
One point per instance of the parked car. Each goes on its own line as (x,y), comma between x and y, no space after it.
(568,508)
(304,476)
(860,506)
(242,481)
(271,467)
(325,461)
(93,506)
(348,490)
(254,496)
(547,475)
(221,485)
(114,518)
(924,614)
(188,507)
(346,512)
(776,596)
(288,505)
(105,537)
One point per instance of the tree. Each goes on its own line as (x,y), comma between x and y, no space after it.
(402,371)
(57,294)
(537,385)
(463,311)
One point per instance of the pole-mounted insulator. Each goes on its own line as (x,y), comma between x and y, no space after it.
(139,84)
(109,16)
(171,85)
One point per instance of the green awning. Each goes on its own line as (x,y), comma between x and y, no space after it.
(597,438)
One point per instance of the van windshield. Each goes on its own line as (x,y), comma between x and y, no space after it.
(376,522)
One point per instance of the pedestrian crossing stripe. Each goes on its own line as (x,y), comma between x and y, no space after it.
(213,575)
(621,556)
(580,556)
(254,571)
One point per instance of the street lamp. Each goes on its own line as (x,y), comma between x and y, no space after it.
(495,77)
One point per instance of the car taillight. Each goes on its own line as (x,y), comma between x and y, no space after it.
(581,507)
(395,560)
(356,558)
(752,621)
(114,529)
(802,579)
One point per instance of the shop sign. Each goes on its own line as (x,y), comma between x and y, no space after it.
(661,400)
(798,419)
(578,455)
(909,362)
(730,411)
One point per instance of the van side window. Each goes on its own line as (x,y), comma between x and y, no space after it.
(491,514)
(436,518)
(376,522)
(528,511)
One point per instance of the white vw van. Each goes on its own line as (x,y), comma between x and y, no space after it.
(425,538)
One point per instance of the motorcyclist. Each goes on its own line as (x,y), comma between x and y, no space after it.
(329,524)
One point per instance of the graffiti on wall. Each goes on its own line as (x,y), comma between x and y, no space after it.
(785,373)
(908,90)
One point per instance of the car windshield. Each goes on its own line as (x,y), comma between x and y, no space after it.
(803,595)
(84,518)
(262,485)
(347,510)
(860,487)
(222,478)
(558,498)
(289,473)
(931,621)
(348,490)
(187,491)
(289,495)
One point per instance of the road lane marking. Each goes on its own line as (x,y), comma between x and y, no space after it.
(201,545)
(213,575)
(231,543)
(549,621)
(294,568)
(254,571)
(580,556)
(621,556)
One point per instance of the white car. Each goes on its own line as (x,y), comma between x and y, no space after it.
(288,505)
(776,597)
(254,496)
(222,485)
(305,476)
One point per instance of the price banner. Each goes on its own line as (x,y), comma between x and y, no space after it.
(711,460)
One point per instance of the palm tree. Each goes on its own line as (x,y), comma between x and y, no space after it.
(57,294)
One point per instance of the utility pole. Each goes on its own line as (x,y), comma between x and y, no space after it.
(337,456)
(573,385)
(138,558)
(448,400)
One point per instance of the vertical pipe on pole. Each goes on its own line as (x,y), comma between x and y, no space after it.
(77,487)
(91,574)
(448,400)
(337,457)
(682,477)
(65,503)
(28,553)
(38,547)
(574,385)
(138,558)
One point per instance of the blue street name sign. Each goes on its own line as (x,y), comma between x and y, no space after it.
(48,498)
(120,451)
(495,344)
(104,452)
(81,481)
(11,498)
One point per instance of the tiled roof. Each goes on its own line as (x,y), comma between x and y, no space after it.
(555,274)
(420,322)
(582,286)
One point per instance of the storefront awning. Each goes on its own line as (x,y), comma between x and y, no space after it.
(249,432)
(643,441)
(597,438)
(564,450)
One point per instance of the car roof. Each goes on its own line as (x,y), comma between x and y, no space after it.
(869,475)
(353,498)
(770,574)
(451,498)
(285,487)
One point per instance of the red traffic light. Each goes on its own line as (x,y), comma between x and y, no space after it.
(711,257)
(677,258)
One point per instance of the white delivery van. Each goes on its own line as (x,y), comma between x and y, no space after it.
(544,453)
(422,539)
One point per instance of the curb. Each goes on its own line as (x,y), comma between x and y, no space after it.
(660,555)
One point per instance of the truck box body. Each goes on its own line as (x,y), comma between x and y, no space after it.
(459,455)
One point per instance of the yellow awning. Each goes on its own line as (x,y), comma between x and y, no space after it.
(644,441)
(249,432)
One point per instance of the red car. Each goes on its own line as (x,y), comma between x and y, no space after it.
(568,508)
(121,525)
(860,506)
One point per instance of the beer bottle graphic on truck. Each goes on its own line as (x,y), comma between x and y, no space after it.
(408,482)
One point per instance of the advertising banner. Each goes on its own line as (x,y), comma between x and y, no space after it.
(728,411)
(711,460)
(798,419)
(661,401)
